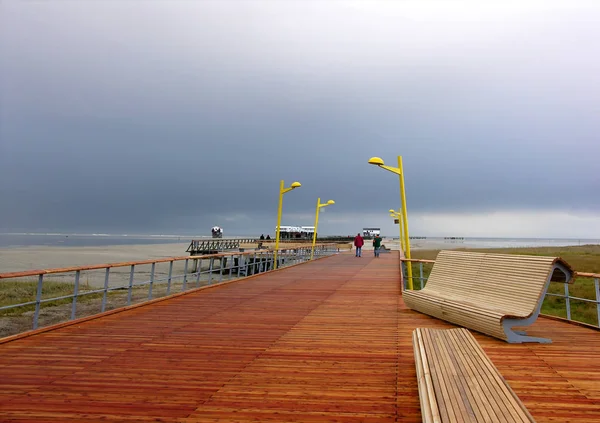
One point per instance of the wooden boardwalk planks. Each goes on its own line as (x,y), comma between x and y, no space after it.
(328,341)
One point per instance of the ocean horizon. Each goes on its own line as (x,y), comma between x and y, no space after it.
(30,239)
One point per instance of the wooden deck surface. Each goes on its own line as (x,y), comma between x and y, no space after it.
(328,341)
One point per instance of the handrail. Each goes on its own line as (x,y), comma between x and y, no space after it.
(587,275)
(103,266)
(417,260)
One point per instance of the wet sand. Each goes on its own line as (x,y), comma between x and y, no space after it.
(42,257)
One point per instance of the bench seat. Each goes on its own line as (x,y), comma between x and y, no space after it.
(459,383)
(489,293)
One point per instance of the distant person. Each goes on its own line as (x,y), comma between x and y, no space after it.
(377,245)
(268,236)
(358,243)
(262,236)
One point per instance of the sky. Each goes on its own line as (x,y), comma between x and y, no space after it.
(148,116)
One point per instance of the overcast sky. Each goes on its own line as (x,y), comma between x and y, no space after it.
(142,116)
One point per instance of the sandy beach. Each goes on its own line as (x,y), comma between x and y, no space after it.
(42,257)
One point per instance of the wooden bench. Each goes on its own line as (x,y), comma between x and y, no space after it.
(459,383)
(489,293)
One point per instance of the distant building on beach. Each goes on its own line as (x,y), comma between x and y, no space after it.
(371,232)
(296,232)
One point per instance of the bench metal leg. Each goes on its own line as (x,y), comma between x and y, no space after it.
(518,337)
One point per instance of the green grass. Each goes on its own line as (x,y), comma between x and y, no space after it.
(585,258)
(18,292)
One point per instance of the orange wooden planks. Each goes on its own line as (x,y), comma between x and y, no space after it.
(323,341)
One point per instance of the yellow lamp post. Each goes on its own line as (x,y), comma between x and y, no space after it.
(319,205)
(398,215)
(377,161)
(282,190)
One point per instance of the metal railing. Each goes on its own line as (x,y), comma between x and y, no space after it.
(420,278)
(566,296)
(217,268)
(218,244)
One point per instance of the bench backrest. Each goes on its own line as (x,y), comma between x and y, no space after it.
(511,283)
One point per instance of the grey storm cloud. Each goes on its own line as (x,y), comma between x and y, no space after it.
(161,116)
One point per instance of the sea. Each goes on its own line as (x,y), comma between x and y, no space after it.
(14,240)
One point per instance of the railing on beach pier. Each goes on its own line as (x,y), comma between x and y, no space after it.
(589,306)
(115,285)
(327,239)
(213,246)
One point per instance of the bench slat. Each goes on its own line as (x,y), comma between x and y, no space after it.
(479,392)
(459,383)
(488,387)
(429,407)
(448,389)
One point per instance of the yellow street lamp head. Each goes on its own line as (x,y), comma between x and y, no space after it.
(377,161)
(330,202)
(295,185)
(392,211)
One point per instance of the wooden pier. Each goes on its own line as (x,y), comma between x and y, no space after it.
(326,341)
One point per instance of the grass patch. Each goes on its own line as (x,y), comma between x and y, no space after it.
(18,292)
(584,258)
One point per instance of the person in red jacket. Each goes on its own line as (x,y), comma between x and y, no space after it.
(358,243)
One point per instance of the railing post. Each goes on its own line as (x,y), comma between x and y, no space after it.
(199,269)
(151,281)
(38,299)
(75,293)
(221,269)
(421,273)
(105,293)
(567,301)
(130,284)
(185,270)
(597,284)
(210,269)
(231,260)
(170,277)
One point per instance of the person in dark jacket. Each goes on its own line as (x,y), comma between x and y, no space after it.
(358,243)
(377,245)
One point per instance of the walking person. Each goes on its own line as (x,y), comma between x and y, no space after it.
(358,243)
(377,245)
